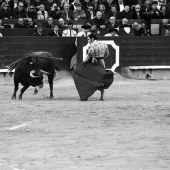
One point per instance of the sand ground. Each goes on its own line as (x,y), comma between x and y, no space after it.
(129,130)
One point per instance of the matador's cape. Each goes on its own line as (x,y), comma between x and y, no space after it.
(89,77)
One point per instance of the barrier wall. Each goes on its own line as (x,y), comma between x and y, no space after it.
(134,51)
(12,48)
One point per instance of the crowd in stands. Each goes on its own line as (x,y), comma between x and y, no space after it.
(101,14)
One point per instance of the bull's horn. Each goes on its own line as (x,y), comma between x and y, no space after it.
(45,72)
(31,74)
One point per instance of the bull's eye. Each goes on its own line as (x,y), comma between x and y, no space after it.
(31,62)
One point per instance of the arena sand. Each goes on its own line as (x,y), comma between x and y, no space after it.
(130,130)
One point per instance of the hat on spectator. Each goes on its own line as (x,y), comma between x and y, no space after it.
(113,30)
(86,27)
(39,25)
(154,2)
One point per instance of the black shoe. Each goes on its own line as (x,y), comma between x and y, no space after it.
(85,99)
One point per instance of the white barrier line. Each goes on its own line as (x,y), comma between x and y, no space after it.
(19,126)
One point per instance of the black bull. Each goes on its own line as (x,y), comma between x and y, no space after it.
(29,70)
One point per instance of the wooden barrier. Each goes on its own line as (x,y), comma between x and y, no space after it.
(11,49)
(134,51)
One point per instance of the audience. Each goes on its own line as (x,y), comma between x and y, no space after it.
(90,12)
(69,32)
(62,23)
(20,23)
(20,11)
(39,30)
(99,21)
(5,12)
(55,31)
(101,14)
(31,12)
(42,13)
(49,23)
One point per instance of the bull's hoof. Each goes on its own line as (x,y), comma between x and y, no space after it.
(51,97)
(13,97)
(20,97)
(35,91)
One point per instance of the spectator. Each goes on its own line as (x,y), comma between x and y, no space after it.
(30,23)
(90,12)
(124,23)
(126,13)
(4,25)
(20,23)
(39,30)
(108,5)
(79,13)
(74,4)
(99,21)
(121,5)
(160,3)
(20,11)
(155,13)
(137,29)
(26,3)
(144,29)
(96,4)
(167,33)
(42,13)
(66,13)
(49,23)
(55,11)
(49,5)
(137,13)
(31,11)
(10,4)
(5,12)
(55,31)
(165,23)
(112,22)
(113,11)
(85,4)
(37,4)
(62,23)
(146,7)
(102,9)
(69,32)
(112,33)
(165,12)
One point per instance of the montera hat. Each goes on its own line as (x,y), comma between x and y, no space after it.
(86,26)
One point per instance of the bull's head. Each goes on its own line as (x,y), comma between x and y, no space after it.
(36,77)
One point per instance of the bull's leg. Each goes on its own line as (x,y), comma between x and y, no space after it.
(22,91)
(102,94)
(15,89)
(50,80)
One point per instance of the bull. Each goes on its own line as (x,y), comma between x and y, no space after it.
(29,71)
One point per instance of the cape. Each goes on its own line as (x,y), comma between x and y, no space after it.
(89,77)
